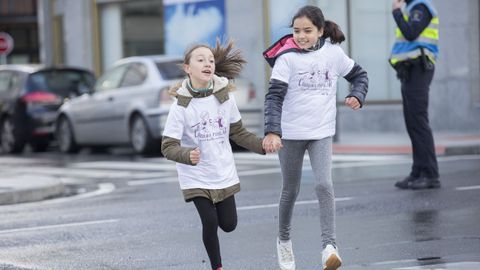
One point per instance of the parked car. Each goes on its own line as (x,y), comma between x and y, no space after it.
(128,106)
(30,96)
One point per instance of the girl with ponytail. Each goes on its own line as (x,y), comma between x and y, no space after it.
(300,108)
(196,136)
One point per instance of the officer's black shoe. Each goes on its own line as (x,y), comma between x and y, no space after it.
(425,183)
(406,183)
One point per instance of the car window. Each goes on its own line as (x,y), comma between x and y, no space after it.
(170,70)
(111,79)
(135,75)
(4,81)
(62,82)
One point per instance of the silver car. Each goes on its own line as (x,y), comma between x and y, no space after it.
(129,105)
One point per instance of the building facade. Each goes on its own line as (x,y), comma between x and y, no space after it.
(96,33)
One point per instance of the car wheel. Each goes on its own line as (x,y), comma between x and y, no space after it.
(140,137)
(65,138)
(11,141)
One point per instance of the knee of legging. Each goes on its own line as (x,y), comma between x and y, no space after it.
(228,226)
(324,188)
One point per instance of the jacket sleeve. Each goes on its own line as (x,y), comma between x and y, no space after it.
(359,79)
(172,150)
(419,19)
(241,136)
(273,106)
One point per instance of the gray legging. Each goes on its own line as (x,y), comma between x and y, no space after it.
(291,161)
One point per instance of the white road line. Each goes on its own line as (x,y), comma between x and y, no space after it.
(456,265)
(467,188)
(103,188)
(273,205)
(152,181)
(65,225)
(122,165)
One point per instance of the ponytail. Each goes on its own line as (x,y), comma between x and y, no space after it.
(228,62)
(332,31)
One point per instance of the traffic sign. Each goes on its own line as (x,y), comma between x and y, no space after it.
(6,43)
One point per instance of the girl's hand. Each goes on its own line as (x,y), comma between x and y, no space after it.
(352,103)
(397,4)
(195,156)
(272,143)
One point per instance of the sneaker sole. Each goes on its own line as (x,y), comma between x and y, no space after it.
(333,263)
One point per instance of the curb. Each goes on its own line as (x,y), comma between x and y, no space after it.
(462,150)
(441,150)
(29,189)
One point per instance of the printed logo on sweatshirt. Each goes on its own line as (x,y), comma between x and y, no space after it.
(210,128)
(316,79)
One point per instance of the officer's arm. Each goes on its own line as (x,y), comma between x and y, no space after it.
(419,19)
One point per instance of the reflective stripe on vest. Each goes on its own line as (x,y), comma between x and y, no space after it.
(428,39)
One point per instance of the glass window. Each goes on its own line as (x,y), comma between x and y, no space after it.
(372,33)
(64,82)
(170,70)
(4,81)
(135,75)
(111,79)
(138,39)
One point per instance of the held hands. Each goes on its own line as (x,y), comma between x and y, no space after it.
(195,156)
(352,103)
(397,4)
(272,143)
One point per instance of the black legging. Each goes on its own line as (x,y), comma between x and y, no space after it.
(223,215)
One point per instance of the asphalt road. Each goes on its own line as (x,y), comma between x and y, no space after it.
(132,216)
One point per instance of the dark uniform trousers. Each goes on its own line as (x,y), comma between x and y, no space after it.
(415,92)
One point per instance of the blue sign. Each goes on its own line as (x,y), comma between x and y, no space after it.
(189,22)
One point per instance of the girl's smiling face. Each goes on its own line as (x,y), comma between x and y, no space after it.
(305,33)
(200,67)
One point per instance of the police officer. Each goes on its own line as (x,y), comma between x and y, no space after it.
(413,57)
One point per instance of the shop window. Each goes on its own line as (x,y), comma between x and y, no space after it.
(143,27)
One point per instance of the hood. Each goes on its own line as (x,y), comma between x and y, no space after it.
(221,87)
(180,89)
(283,45)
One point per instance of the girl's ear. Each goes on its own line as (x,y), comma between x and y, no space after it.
(320,33)
(186,68)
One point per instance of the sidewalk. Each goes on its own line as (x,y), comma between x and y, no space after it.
(28,188)
(399,143)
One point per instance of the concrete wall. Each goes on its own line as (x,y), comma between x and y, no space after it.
(245,27)
(454,93)
(77,31)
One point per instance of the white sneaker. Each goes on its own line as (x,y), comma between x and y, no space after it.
(330,258)
(286,261)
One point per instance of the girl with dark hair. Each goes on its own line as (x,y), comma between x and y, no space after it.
(300,109)
(196,136)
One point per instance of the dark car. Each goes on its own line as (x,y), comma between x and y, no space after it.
(30,96)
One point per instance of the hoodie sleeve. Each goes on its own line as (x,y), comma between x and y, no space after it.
(172,150)
(241,136)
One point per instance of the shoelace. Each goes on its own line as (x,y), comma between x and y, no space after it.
(286,253)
